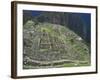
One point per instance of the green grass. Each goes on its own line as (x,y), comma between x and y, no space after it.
(76,64)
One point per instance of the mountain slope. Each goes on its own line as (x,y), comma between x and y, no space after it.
(47,43)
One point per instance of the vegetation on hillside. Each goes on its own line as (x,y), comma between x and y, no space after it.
(52,45)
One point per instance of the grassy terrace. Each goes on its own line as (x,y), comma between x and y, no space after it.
(57,64)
